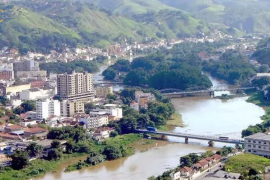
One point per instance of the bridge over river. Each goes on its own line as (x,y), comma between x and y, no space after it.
(211,139)
(210,92)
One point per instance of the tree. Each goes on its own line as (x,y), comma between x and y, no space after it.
(70,147)
(54,154)
(19,159)
(261,82)
(56,144)
(185,161)
(29,106)
(34,149)
(112,152)
(113,134)
(94,158)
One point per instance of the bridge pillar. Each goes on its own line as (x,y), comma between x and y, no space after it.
(211,143)
(186,140)
(212,93)
(164,137)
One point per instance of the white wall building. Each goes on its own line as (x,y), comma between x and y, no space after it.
(47,108)
(95,121)
(36,93)
(258,144)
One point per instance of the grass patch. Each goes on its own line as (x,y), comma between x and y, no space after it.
(36,168)
(176,120)
(244,162)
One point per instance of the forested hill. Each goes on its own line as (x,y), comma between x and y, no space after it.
(262,53)
(53,24)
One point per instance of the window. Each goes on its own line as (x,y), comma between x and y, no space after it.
(259,146)
(254,141)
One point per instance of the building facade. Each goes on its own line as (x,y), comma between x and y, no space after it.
(258,144)
(94,121)
(25,66)
(75,86)
(70,108)
(47,108)
(104,91)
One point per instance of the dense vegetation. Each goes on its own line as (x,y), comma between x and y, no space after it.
(232,67)
(160,72)
(78,66)
(260,100)
(110,149)
(78,144)
(248,165)
(262,53)
(156,115)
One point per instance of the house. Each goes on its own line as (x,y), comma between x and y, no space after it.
(12,128)
(222,175)
(28,122)
(9,136)
(28,115)
(216,158)
(175,175)
(134,105)
(210,160)
(202,164)
(36,131)
(186,171)
(102,133)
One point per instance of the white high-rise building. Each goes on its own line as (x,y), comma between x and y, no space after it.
(47,108)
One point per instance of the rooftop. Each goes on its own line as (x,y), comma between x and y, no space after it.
(259,136)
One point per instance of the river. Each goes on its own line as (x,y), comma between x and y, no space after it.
(201,115)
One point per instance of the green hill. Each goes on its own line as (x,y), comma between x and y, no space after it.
(27,30)
(131,7)
(44,25)
(245,15)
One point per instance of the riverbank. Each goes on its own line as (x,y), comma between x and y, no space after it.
(40,167)
(111,154)
(258,99)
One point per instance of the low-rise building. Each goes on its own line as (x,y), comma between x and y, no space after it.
(28,122)
(186,171)
(134,105)
(35,75)
(103,91)
(70,108)
(94,121)
(258,144)
(37,132)
(36,93)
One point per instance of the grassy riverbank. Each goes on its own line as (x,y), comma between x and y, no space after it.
(244,162)
(36,168)
(39,167)
(125,150)
(258,99)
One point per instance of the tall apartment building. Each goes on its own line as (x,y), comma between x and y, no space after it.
(258,144)
(47,108)
(75,86)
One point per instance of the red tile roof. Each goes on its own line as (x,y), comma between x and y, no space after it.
(197,165)
(203,162)
(216,157)
(35,130)
(14,127)
(186,169)
(8,136)
(209,159)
